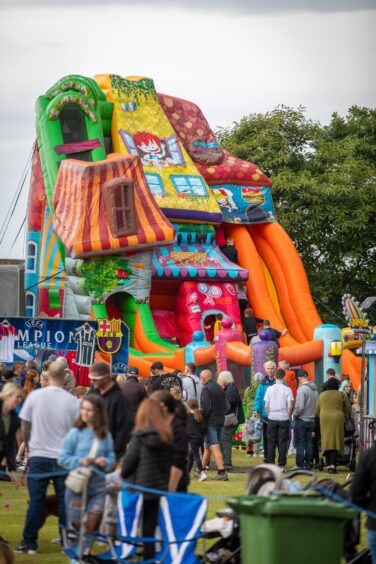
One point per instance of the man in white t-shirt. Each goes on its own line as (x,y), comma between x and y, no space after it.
(279,405)
(47,415)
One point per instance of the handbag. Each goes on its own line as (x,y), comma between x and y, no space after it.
(78,479)
(349,426)
(230,420)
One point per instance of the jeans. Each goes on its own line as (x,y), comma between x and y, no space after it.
(278,436)
(92,512)
(37,492)
(226,444)
(371,539)
(304,444)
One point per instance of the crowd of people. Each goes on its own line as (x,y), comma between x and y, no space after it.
(154,431)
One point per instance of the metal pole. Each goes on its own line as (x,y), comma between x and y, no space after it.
(362,394)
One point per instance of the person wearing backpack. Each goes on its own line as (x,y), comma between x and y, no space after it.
(191,383)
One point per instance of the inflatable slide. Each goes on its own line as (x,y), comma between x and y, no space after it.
(130,194)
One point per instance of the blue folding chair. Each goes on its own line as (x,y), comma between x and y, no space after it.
(179,522)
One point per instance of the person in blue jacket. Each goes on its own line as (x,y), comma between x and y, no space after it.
(259,405)
(89,443)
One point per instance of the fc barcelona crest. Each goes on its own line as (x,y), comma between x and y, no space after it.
(109,335)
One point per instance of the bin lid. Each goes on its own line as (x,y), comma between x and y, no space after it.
(295,505)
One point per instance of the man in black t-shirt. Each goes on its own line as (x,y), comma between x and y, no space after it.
(166,381)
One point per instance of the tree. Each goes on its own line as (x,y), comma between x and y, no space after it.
(101,275)
(324,191)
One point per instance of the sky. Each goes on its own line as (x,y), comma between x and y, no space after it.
(231,58)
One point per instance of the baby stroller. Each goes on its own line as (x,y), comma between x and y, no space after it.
(348,458)
(262,480)
(265,480)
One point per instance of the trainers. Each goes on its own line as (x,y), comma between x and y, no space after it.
(282,468)
(203,476)
(25,549)
(223,477)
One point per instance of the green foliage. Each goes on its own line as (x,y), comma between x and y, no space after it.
(99,274)
(324,191)
(270,354)
(139,90)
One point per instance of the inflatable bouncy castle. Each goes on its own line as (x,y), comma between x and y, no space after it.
(131,198)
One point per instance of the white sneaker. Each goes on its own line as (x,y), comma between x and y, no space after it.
(202,477)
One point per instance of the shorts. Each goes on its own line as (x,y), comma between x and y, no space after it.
(213,435)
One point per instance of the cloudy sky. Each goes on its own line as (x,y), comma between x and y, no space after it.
(231,58)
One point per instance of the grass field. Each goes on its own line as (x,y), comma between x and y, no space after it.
(13,504)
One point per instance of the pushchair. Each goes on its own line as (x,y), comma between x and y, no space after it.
(262,480)
(267,479)
(226,530)
(348,458)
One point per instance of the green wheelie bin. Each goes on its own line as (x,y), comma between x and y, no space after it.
(292,529)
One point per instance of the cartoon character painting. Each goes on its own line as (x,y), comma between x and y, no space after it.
(225,199)
(152,149)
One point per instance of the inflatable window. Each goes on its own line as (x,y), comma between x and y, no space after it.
(192,185)
(155,184)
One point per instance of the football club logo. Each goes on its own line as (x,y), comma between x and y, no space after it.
(109,335)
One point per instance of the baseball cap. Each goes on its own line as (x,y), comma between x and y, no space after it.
(133,371)
(98,376)
(302,374)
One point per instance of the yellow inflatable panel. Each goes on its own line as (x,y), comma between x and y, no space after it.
(140,127)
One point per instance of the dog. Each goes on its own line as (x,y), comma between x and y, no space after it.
(49,508)
(6,552)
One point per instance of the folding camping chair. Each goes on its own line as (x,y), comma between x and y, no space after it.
(179,525)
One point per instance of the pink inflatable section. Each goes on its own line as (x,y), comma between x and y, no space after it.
(197,304)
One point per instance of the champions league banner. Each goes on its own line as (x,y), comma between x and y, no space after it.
(85,337)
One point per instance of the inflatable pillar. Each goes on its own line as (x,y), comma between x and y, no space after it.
(371,354)
(262,351)
(332,355)
(225,335)
(197,343)
(371,358)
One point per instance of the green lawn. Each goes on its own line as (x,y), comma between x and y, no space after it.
(13,503)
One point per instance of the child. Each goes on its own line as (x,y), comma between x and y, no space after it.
(252,432)
(217,325)
(196,431)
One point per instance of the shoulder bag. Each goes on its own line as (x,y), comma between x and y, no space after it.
(230,420)
(78,479)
